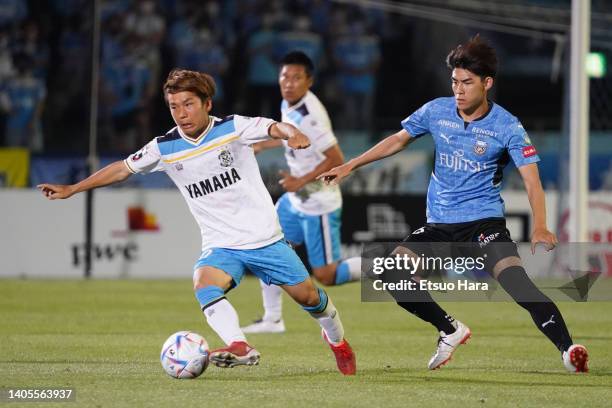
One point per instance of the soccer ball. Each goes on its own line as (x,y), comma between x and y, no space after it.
(184,355)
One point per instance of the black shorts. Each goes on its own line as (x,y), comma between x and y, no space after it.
(488,238)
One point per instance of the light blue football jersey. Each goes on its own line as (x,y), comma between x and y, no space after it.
(469,159)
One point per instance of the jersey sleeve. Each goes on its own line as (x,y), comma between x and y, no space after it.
(519,146)
(417,124)
(146,160)
(252,130)
(321,135)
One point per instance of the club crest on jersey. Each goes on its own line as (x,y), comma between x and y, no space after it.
(480,147)
(225,158)
(178,166)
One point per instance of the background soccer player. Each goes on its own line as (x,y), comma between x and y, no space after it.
(310,211)
(474,139)
(212,163)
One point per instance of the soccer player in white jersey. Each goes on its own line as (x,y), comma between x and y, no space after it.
(310,210)
(212,163)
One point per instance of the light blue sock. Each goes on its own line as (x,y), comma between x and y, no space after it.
(343,274)
(208,295)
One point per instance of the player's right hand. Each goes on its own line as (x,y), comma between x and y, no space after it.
(336,175)
(298,141)
(56,191)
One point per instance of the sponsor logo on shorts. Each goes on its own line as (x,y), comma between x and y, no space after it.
(418,231)
(484,240)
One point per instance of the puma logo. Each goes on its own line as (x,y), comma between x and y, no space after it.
(548,322)
(447,138)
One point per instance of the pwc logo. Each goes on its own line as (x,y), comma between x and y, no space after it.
(138,220)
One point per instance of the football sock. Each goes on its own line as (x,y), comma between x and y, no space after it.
(223,319)
(208,294)
(544,312)
(420,303)
(272,301)
(348,270)
(328,318)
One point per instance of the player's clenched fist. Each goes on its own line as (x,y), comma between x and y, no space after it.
(298,141)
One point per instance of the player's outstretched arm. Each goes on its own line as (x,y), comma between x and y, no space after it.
(266,145)
(385,148)
(535,192)
(113,173)
(295,139)
(333,158)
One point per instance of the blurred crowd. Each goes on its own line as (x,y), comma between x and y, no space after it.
(372,67)
(45,63)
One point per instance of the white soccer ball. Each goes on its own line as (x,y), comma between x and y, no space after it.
(184,355)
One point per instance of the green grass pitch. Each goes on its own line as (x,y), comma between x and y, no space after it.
(103,338)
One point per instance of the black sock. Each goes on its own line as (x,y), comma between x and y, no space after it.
(544,312)
(422,305)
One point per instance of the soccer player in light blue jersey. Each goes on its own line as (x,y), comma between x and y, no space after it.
(212,163)
(310,211)
(474,140)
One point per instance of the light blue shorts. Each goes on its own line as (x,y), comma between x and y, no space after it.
(320,233)
(275,264)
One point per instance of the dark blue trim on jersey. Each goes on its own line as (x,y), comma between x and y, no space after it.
(502,162)
(170,136)
(175,145)
(222,121)
(466,124)
(220,130)
(303,110)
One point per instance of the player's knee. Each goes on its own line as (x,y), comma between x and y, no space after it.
(317,301)
(326,275)
(209,276)
(506,263)
(309,297)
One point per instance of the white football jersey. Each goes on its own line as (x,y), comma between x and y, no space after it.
(310,116)
(219,178)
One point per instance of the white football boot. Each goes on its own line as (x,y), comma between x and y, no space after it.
(265,326)
(237,353)
(448,343)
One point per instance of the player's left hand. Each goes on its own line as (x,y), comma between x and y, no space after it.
(290,183)
(543,236)
(298,141)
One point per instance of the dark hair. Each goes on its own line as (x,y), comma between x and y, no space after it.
(298,58)
(476,56)
(180,80)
